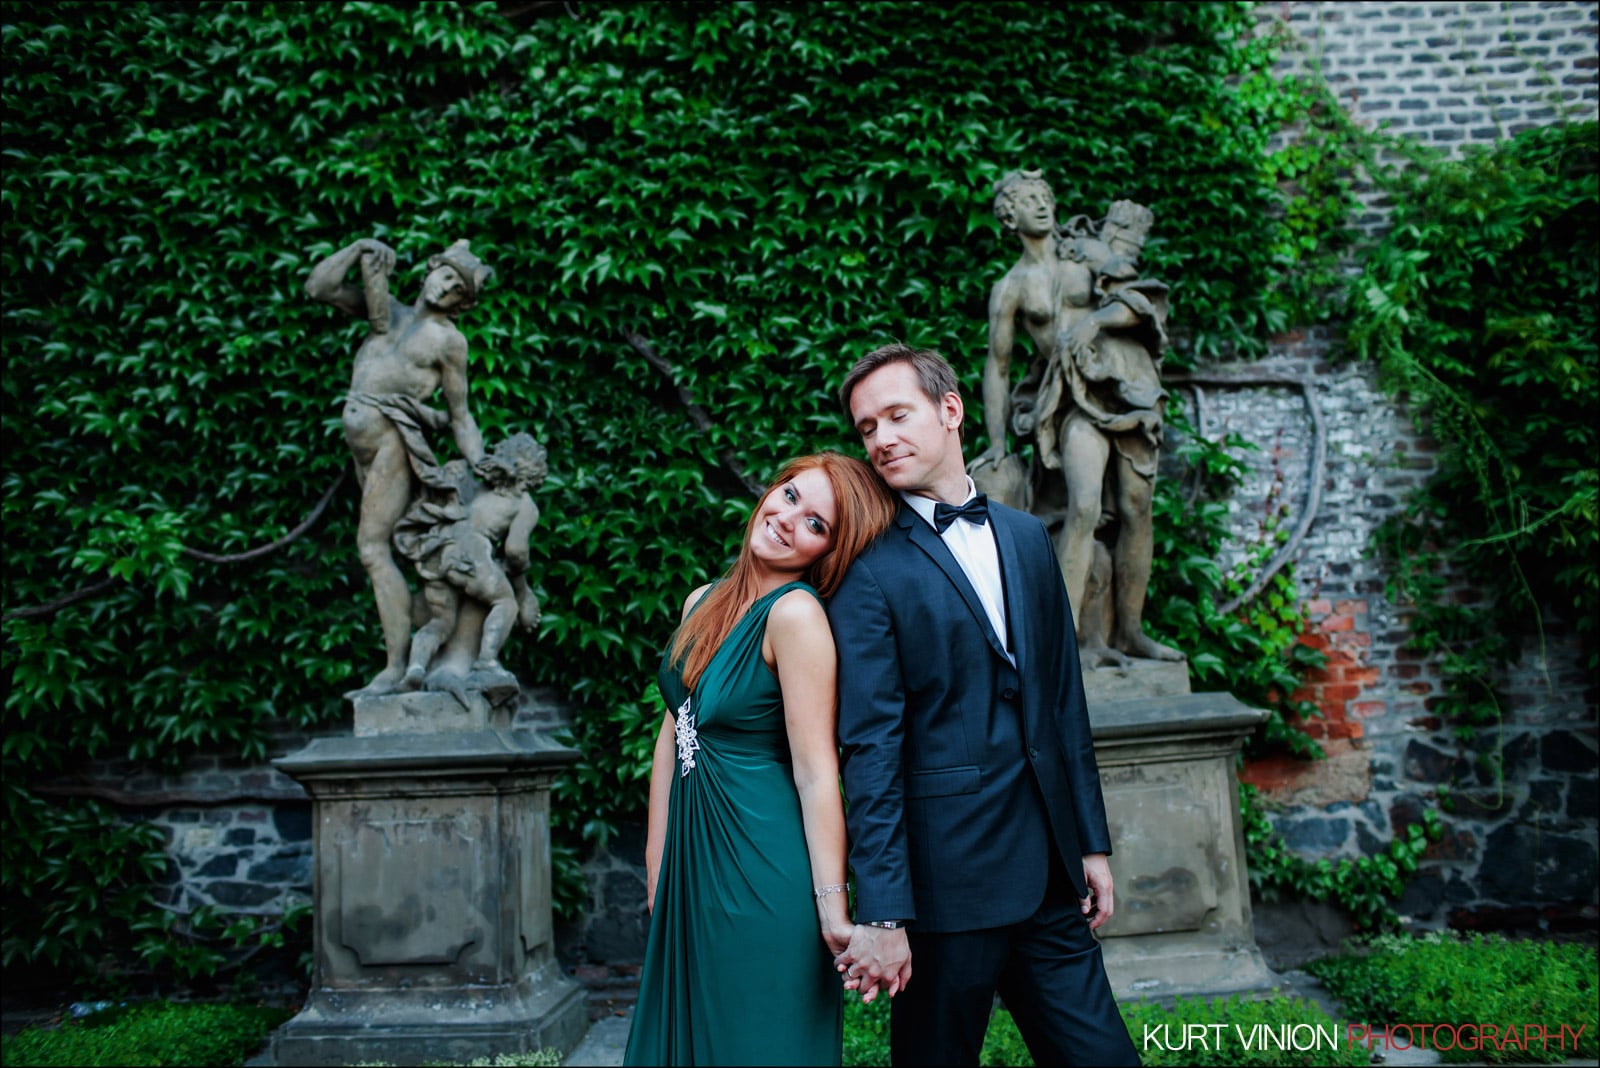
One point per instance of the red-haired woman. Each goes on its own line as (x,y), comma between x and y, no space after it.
(746,848)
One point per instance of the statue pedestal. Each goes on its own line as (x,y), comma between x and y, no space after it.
(433,934)
(1182,922)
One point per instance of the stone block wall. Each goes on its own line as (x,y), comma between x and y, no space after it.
(1520,849)
(238,833)
(1388,754)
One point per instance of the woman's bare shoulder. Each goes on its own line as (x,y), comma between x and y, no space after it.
(694,599)
(799,612)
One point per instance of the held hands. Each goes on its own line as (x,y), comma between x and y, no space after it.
(1097,874)
(836,935)
(877,957)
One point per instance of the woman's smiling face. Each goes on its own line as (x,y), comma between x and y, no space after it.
(796,523)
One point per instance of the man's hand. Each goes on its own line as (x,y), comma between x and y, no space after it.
(1097,874)
(876,957)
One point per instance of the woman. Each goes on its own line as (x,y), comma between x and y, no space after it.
(746,849)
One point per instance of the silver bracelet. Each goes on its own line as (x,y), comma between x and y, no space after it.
(824,891)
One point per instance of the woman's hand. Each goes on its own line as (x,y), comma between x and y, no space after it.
(836,933)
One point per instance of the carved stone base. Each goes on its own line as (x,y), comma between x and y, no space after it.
(433,937)
(1182,923)
(447,1026)
(1139,678)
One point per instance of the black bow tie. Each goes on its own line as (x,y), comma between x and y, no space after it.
(974,511)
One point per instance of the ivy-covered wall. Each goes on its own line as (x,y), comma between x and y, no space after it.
(757,192)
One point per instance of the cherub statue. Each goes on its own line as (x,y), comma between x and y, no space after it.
(411,353)
(468,536)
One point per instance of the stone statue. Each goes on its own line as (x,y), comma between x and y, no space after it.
(410,353)
(1092,403)
(469,535)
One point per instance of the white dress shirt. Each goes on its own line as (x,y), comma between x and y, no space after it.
(974,548)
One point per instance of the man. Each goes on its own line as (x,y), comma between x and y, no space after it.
(410,353)
(977,830)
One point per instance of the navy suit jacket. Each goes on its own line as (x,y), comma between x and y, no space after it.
(959,769)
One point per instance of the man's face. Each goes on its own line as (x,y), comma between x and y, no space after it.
(912,442)
(444,288)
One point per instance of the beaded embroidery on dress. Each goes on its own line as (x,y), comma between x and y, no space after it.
(688,738)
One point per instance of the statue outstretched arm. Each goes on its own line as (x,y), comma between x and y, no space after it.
(997,368)
(516,543)
(453,383)
(517,535)
(327,281)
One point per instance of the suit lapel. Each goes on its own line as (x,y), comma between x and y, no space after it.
(924,538)
(1005,536)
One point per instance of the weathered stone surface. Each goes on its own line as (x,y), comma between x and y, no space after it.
(1544,801)
(1290,933)
(1514,920)
(1424,763)
(1518,755)
(224,866)
(1566,751)
(1509,871)
(1423,897)
(1485,803)
(1137,678)
(293,822)
(286,866)
(240,895)
(1583,798)
(433,935)
(1454,843)
(1315,835)
(1182,924)
(428,713)
(1567,868)
(617,934)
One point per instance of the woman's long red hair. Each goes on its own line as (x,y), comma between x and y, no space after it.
(865,508)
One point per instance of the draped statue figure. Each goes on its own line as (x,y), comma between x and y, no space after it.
(1091,403)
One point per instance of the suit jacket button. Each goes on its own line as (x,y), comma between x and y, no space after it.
(1033,754)
(1008,693)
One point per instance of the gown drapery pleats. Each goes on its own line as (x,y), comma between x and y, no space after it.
(735,969)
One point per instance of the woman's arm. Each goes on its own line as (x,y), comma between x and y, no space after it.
(803,655)
(662,767)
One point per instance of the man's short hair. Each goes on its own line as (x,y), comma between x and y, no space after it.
(934,373)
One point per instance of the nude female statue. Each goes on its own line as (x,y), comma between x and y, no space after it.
(1092,401)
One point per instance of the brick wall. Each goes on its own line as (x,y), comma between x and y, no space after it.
(1388,755)
(1520,849)
(1448,74)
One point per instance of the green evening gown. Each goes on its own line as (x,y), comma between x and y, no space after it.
(735,970)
